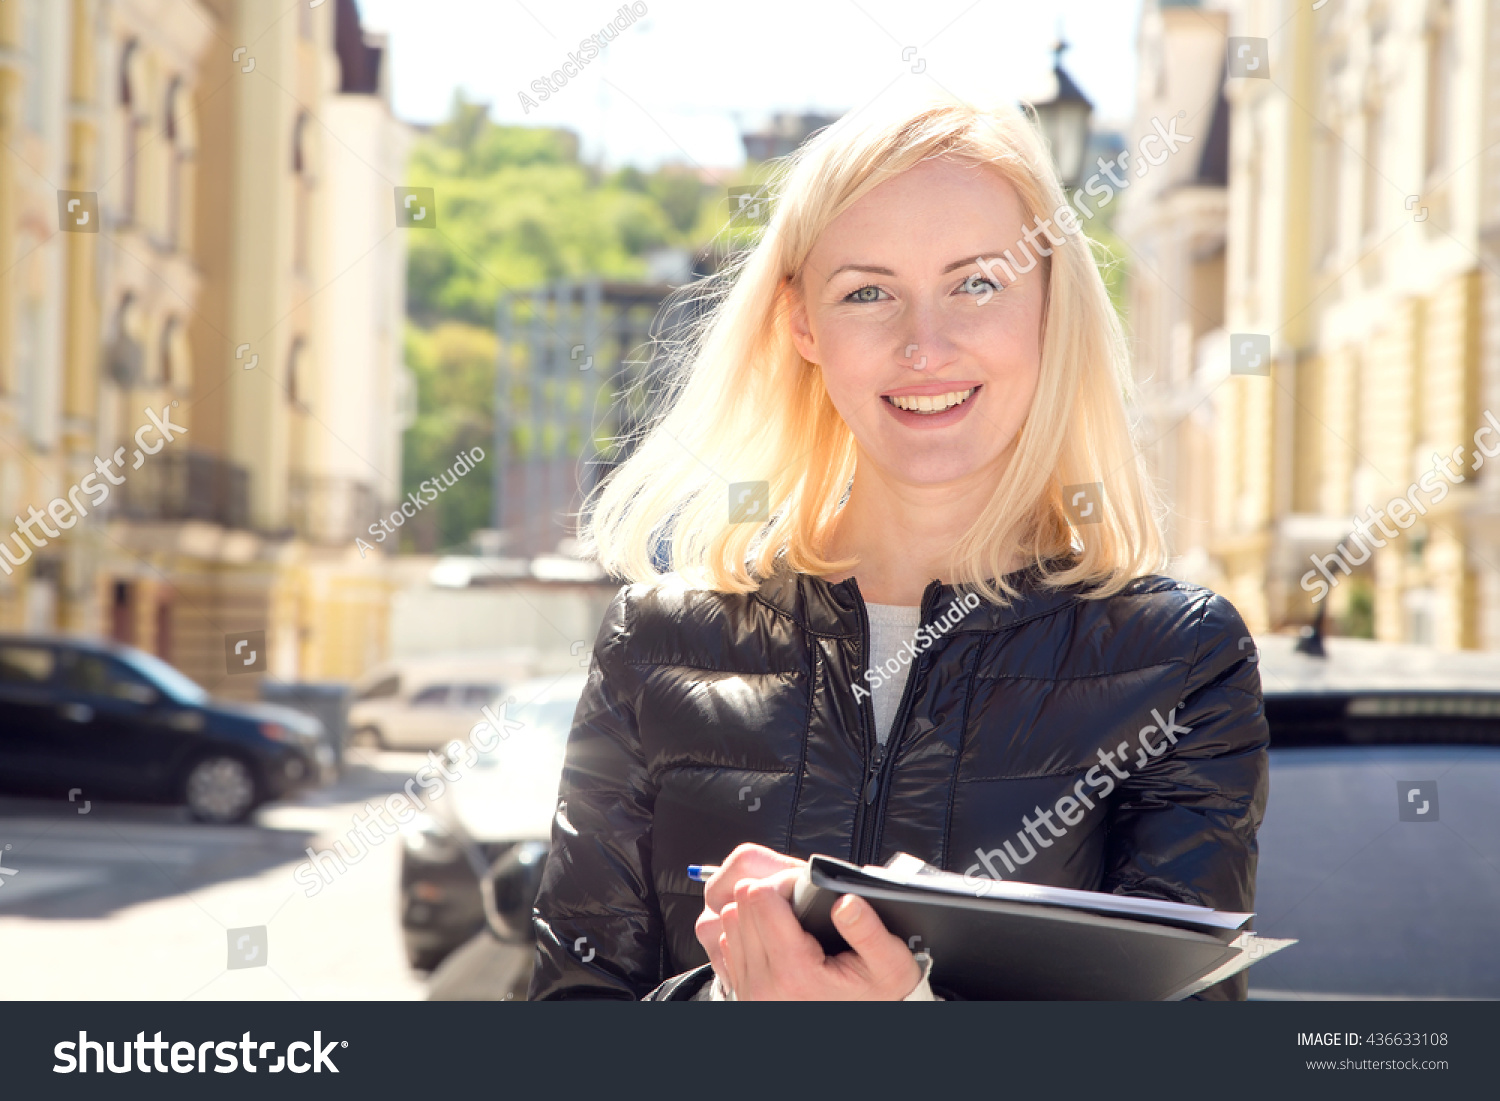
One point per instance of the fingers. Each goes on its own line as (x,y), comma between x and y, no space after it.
(783,883)
(709,928)
(728,948)
(745,862)
(777,924)
(719,893)
(757,976)
(767,954)
(778,959)
(886,959)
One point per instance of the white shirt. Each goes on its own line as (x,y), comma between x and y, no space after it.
(890,625)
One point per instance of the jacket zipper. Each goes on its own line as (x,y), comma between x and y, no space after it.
(871,760)
(882,761)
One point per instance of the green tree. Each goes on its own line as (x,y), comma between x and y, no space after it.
(454,368)
(516,208)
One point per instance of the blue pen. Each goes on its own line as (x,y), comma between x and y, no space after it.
(701,872)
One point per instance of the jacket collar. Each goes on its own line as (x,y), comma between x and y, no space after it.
(826,608)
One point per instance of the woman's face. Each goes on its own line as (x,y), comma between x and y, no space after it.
(895,284)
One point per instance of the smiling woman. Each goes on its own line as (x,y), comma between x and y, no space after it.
(927,390)
(878,285)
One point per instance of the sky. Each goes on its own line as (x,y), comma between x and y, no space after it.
(681,81)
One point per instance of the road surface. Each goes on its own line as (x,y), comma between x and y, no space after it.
(141,902)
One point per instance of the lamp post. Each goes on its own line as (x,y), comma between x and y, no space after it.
(1064,120)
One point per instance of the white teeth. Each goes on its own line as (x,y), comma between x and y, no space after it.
(933,403)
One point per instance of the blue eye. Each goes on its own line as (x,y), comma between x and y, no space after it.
(860,296)
(980,284)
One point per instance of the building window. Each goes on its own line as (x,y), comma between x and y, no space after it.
(1327,155)
(130,97)
(172,129)
(33,383)
(125,353)
(1421,606)
(302,190)
(122,613)
(176,362)
(1440,62)
(295,383)
(36,91)
(1370,200)
(164,629)
(1252,218)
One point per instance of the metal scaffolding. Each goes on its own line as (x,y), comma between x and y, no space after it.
(569,398)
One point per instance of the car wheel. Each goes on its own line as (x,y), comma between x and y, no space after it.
(368,737)
(220,789)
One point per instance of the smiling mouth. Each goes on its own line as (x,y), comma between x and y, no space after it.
(930,404)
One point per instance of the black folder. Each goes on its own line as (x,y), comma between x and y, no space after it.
(1041,943)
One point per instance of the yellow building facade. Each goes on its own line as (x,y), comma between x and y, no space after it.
(1361,214)
(206,295)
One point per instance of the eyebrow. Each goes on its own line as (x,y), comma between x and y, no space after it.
(877,270)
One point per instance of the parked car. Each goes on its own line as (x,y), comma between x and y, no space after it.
(479,847)
(421,704)
(100,720)
(1378,853)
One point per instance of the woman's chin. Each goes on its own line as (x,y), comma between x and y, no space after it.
(944,466)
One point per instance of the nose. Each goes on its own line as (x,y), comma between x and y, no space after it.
(925,346)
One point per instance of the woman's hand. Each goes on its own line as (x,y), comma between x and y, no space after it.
(763,953)
(744,864)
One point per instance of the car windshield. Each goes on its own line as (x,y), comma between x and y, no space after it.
(383,689)
(547,721)
(170,680)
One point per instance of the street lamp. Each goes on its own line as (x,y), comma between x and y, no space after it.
(1064,119)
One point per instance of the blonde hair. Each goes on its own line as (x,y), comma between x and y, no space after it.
(742,405)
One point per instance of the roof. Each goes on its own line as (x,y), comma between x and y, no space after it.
(1213,161)
(359,61)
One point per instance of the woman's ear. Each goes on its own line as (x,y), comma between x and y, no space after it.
(797,321)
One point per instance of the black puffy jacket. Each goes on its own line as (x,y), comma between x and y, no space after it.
(711,719)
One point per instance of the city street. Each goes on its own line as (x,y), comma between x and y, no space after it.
(138,901)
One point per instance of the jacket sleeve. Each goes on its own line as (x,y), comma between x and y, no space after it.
(598,925)
(1183,825)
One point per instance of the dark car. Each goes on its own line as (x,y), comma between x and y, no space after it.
(94,719)
(1380,852)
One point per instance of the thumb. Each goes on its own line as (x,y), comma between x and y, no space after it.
(862,928)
